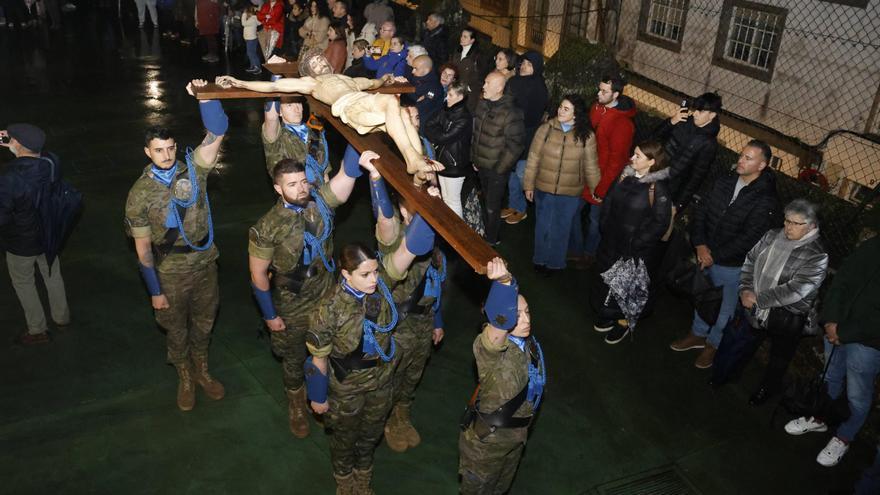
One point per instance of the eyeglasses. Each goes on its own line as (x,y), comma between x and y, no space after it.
(792,222)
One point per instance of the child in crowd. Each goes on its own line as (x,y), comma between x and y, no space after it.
(249,23)
(357,68)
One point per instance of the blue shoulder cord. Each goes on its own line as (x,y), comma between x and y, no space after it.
(435,279)
(316,244)
(315,170)
(370,344)
(194,197)
(537,377)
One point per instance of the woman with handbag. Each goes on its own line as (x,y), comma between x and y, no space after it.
(780,281)
(635,215)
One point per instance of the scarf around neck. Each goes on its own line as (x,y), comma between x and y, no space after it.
(771,261)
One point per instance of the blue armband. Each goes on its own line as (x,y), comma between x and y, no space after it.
(419,236)
(316,382)
(272,103)
(213,117)
(379,196)
(152,280)
(264,301)
(501,308)
(350,163)
(438,319)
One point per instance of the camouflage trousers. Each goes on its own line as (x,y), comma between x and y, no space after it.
(413,337)
(290,344)
(193,299)
(487,466)
(356,421)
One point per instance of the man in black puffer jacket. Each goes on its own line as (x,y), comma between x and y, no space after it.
(22,182)
(732,218)
(499,138)
(691,144)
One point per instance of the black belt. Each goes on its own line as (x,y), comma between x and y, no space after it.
(186,248)
(409,307)
(503,416)
(293,281)
(354,361)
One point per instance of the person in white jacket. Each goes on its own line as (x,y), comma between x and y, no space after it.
(249,24)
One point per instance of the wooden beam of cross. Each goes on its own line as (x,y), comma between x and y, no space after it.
(472,248)
(212,91)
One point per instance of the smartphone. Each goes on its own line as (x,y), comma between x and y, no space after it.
(4,139)
(684,104)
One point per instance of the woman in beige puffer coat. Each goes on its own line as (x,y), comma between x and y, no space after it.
(562,160)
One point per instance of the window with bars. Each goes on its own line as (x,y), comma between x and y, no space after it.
(749,37)
(662,22)
(578,18)
(536,24)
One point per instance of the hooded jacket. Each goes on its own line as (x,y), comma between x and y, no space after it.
(530,94)
(691,151)
(614,135)
(499,136)
(558,164)
(450,132)
(390,63)
(630,222)
(731,229)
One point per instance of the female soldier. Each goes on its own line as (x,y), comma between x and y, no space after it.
(352,350)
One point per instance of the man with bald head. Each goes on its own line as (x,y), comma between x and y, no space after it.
(498,140)
(428,97)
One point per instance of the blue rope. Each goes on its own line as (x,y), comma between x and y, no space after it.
(315,244)
(194,197)
(370,327)
(429,150)
(435,279)
(537,378)
(315,170)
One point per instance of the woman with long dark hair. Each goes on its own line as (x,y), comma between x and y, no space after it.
(335,51)
(635,215)
(314,29)
(561,160)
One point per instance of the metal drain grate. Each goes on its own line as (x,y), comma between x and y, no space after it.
(661,481)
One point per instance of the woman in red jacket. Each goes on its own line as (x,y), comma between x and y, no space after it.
(272,18)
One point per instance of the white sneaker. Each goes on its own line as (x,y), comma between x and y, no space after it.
(805,425)
(832,453)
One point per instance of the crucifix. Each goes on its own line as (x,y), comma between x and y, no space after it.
(359,108)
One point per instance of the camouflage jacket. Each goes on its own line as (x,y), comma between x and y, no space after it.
(147,207)
(503,371)
(278,237)
(288,145)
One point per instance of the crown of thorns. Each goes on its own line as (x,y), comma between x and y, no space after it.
(305,65)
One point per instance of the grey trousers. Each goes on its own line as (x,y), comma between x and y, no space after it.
(21,271)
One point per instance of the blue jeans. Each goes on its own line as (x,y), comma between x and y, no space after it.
(253,52)
(727,277)
(515,197)
(591,243)
(576,239)
(856,366)
(553,214)
(870,482)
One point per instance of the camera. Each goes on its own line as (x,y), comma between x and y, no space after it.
(5,139)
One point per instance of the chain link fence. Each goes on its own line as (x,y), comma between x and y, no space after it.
(802,75)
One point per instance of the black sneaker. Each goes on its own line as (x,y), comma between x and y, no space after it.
(618,333)
(604,325)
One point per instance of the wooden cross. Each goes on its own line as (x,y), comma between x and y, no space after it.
(472,248)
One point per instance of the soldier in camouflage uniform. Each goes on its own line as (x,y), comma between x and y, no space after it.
(294,243)
(420,324)
(179,265)
(286,134)
(352,349)
(511,371)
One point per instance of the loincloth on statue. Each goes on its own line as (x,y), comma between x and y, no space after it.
(358,111)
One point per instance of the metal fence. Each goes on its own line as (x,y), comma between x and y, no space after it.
(802,75)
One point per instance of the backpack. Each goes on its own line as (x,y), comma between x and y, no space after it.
(58,204)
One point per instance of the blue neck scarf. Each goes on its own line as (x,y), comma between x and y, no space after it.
(289,206)
(164,176)
(566,127)
(352,291)
(301,130)
(537,373)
